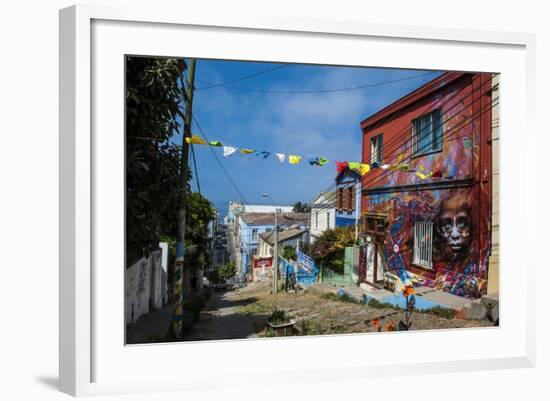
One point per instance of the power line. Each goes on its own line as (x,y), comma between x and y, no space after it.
(387,172)
(219,162)
(213,85)
(312,91)
(408,127)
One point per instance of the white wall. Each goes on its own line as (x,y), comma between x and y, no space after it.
(145,283)
(266,209)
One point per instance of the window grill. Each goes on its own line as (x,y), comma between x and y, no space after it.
(423,244)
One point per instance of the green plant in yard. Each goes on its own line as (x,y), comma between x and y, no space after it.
(278,316)
(289,252)
(227,271)
(376,304)
(440,311)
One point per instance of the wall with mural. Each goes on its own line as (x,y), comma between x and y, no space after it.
(456,198)
(460,256)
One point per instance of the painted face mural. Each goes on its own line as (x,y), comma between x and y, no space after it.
(454,226)
(456,254)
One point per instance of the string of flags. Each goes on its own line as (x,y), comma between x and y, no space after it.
(360,168)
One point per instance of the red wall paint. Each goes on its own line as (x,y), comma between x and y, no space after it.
(465,163)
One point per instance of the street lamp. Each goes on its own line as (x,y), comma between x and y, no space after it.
(275,246)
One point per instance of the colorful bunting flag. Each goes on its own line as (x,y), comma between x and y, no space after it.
(294,159)
(317,161)
(354,166)
(195,140)
(323,161)
(281,157)
(229,150)
(263,154)
(247,151)
(421,175)
(364,169)
(404,167)
(375,165)
(385,166)
(341,166)
(215,143)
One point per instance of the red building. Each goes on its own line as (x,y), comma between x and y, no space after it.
(426,203)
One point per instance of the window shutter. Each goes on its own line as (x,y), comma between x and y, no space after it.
(344,199)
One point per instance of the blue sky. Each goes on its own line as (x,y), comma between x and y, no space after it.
(316,124)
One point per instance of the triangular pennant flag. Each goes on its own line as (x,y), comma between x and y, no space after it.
(247,151)
(375,165)
(364,169)
(420,167)
(294,159)
(385,166)
(281,157)
(341,166)
(313,161)
(263,154)
(436,174)
(421,175)
(323,161)
(195,140)
(229,150)
(354,165)
(404,167)
(215,143)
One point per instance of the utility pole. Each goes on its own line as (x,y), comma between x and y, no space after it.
(276,254)
(177,318)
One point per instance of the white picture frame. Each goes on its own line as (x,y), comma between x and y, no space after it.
(92,40)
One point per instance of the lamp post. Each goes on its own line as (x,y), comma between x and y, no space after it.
(275,247)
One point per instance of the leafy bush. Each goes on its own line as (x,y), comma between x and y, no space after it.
(227,271)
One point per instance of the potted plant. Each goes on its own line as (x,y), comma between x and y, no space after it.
(280,323)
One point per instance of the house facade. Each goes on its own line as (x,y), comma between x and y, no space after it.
(426,204)
(296,236)
(323,214)
(348,198)
(251,225)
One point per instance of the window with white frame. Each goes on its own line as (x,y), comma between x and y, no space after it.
(316,219)
(427,133)
(254,234)
(423,244)
(376,149)
(328,220)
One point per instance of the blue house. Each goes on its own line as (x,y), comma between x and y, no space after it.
(251,225)
(348,198)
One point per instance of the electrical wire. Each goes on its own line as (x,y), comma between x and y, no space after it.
(216,85)
(313,91)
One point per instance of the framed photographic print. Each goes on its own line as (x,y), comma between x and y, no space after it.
(298,192)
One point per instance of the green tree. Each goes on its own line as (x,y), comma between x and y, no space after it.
(227,271)
(329,248)
(300,207)
(153,112)
(199,212)
(289,252)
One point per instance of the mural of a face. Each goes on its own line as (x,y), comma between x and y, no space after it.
(454,225)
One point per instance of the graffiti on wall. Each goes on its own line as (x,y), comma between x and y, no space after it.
(459,258)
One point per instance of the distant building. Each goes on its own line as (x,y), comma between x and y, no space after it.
(262,264)
(323,214)
(296,237)
(251,225)
(348,198)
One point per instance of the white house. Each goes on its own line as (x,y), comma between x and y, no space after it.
(323,214)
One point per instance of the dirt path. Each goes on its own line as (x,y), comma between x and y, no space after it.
(243,313)
(223,318)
